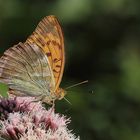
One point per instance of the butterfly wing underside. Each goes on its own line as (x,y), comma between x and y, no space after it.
(48,35)
(25,68)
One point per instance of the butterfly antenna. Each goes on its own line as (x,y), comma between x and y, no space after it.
(67,101)
(83,82)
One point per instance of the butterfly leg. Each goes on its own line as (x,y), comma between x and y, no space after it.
(39,98)
(46,99)
(53,103)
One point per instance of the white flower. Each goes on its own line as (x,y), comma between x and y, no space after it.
(28,120)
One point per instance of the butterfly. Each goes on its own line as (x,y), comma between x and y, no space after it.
(35,67)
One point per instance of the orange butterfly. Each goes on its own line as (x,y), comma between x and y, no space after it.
(35,68)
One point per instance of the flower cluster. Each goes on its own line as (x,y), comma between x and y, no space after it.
(23,119)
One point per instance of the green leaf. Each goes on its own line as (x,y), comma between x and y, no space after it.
(3,90)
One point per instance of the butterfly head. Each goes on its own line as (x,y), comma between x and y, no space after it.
(61,93)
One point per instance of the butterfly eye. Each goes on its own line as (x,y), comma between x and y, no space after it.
(61,93)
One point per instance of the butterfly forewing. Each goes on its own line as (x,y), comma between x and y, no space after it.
(48,35)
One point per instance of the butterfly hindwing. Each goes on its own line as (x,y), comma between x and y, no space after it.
(26,68)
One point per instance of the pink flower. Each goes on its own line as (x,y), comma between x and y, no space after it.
(23,119)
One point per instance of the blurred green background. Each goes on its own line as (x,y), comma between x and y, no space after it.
(102,43)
